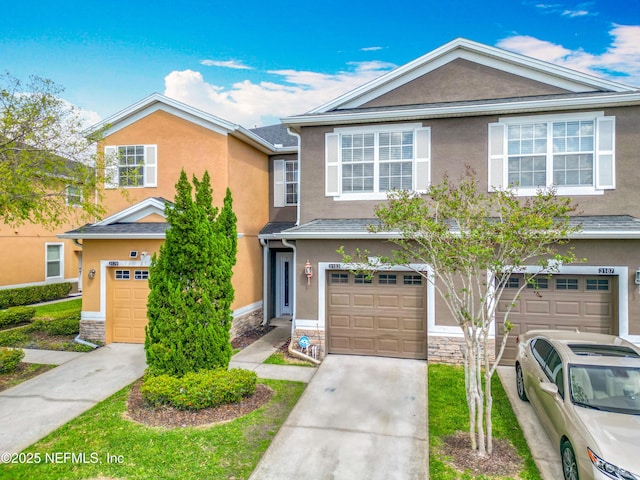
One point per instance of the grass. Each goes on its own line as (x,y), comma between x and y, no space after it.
(448,413)
(35,335)
(278,358)
(23,372)
(226,451)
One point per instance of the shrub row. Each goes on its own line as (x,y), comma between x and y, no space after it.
(59,326)
(9,338)
(28,295)
(16,315)
(9,359)
(203,389)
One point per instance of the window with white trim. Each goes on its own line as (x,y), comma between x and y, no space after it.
(54,260)
(131,166)
(285,183)
(74,196)
(573,153)
(367,162)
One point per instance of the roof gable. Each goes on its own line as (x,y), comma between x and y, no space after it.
(153,206)
(533,70)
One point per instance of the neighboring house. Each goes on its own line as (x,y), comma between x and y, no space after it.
(31,255)
(153,140)
(514,119)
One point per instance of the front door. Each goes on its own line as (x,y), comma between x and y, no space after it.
(284,284)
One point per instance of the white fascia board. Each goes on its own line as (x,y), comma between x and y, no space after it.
(479,53)
(155,102)
(113,236)
(135,212)
(524,106)
(612,235)
(337,236)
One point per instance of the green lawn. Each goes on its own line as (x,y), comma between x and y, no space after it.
(226,451)
(59,309)
(448,413)
(278,358)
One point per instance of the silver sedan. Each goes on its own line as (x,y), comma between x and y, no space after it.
(585,389)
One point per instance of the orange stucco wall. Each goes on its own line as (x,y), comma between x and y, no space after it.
(185,145)
(23,253)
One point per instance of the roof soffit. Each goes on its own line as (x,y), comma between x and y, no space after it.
(137,212)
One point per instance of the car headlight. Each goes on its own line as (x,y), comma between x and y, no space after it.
(609,469)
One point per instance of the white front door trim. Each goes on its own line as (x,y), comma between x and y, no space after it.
(284,283)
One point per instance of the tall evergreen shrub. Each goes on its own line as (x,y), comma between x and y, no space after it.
(189,306)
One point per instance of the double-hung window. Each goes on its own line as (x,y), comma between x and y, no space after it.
(285,183)
(367,162)
(131,166)
(573,153)
(54,260)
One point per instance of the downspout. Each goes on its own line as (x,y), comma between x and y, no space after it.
(265,285)
(295,284)
(297,135)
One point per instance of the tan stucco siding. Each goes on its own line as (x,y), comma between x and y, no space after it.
(462,80)
(181,145)
(95,251)
(247,273)
(23,254)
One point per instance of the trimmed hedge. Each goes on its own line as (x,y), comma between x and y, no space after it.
(29,295)
(59,326)
(16,315)
(198,390)
(9,359)
(8,338)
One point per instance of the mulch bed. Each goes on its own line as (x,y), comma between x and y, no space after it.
(503,462)
(170,417)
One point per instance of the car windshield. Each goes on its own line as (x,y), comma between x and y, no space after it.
(608,388)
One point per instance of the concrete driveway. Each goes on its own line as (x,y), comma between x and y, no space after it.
(35,408)
(360,417)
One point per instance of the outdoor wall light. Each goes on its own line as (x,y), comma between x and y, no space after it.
(92,273)
(308,271)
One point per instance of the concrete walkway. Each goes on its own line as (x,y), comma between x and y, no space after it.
(359,418)
(251,358)
(35,408)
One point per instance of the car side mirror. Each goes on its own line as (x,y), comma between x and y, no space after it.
(550,388)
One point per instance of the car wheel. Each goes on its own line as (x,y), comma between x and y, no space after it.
(569,464)
(520,383)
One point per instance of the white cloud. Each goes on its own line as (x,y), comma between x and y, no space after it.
(575,13)
(620,62)
(234,64)
(250,104)
(370,49)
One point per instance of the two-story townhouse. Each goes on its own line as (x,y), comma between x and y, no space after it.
(153,140)
(515,120)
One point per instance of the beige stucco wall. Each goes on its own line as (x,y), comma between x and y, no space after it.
(23,253)
(462,80)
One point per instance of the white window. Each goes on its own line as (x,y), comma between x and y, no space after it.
(74,196)
(285,183)
(367,162)
(131,166)
(122,274)
(54,260)
(141,274)
(573,153)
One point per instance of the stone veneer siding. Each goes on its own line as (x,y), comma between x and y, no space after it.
(451,349)
(317,338)
(245,323)
(93,331)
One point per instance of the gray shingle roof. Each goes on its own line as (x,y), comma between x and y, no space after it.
(598,226)
(276,135)
(273,228)
(124,230)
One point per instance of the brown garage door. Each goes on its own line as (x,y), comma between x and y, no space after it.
(384,316)
(562,302)
(127,293)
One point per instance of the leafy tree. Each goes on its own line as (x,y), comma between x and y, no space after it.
(473,242)
(44,157)
(189,302)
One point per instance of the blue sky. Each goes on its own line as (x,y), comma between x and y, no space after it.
(253,62)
